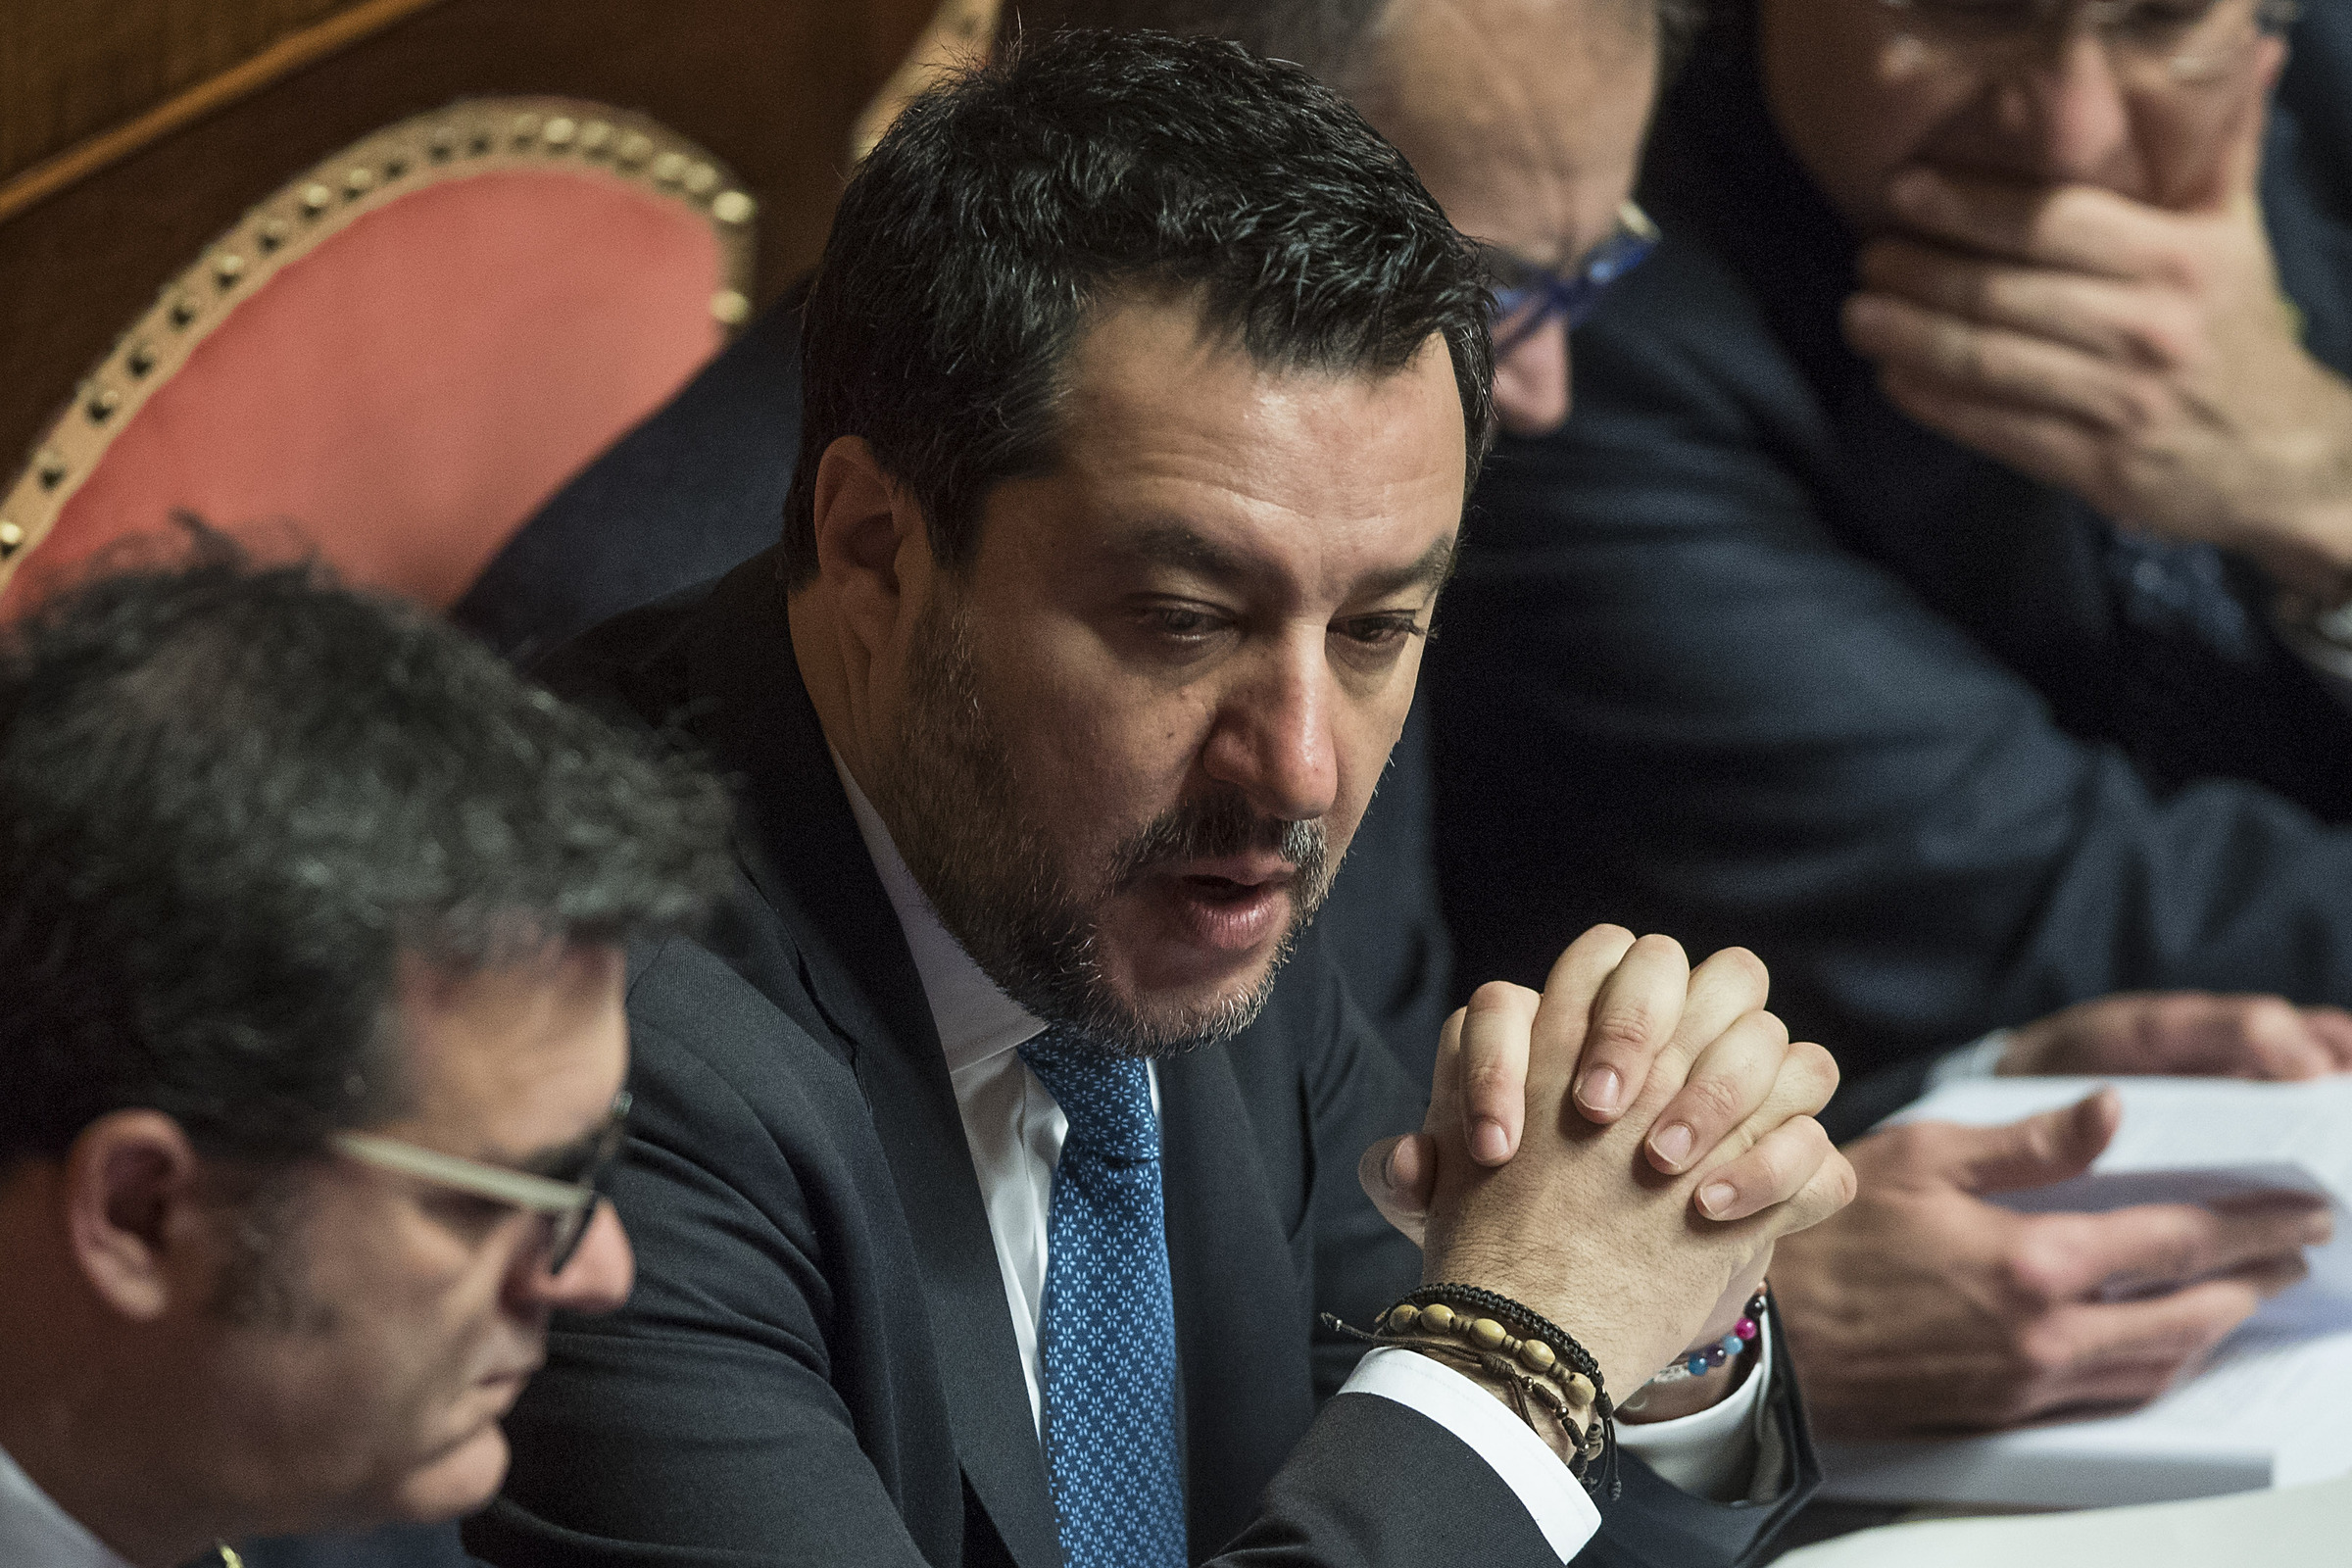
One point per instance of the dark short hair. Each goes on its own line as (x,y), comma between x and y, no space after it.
(1005,205)
(233,798)
(1326,37)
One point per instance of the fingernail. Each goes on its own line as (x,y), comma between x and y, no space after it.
(1388,1167)
(1601,1090)
(2318,1228)
(1673,1145)
(1489,1144)
(1715,1197)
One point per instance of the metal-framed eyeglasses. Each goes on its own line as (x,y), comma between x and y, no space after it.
(2149,43)
(565,1199)
(1528,294)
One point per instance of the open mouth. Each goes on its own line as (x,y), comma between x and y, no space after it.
(1233,904)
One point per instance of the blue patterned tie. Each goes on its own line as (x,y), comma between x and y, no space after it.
(1108,1336)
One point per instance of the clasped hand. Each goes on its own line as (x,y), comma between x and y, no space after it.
(1620,1153)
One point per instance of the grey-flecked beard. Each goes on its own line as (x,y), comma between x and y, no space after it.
(949,792)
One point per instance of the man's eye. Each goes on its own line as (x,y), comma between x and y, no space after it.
(468,1214)
(1381,631)
(1182,622)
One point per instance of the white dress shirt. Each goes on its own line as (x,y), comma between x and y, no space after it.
(1015,1132)
(35,1532)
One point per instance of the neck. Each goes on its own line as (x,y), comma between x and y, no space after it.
(79,1412)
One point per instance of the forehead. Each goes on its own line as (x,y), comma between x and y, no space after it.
(508,1059)
(1164,425)
(1525,118)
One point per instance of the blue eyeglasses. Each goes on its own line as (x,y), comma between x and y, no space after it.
(1528,294)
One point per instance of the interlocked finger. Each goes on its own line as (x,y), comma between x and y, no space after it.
(1729,1083)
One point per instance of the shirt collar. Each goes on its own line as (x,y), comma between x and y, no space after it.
(977,1021)
(33,1528)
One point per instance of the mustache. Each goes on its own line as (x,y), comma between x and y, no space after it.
(1216,826)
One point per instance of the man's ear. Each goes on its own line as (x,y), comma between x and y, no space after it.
(130,1188)
(863,523)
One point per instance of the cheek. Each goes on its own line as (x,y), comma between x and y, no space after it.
(1098,748)
(1853,106)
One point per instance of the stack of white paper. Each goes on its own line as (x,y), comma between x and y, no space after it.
(2274,1408)
(2306,1527)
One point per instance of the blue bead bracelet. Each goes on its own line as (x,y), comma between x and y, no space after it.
(1721,1353)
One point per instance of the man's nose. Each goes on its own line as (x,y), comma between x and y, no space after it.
(1273,738)
(2067,108)
(1532,389)
(597,1275)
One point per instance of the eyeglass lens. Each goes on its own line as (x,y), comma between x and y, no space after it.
(568,1228)
(2153,42)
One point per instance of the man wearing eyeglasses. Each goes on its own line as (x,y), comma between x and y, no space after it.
(312,1063)
(1938,587)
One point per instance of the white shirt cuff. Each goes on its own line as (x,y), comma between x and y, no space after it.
(1711,1454)
(1980,1061)
(1553,1498)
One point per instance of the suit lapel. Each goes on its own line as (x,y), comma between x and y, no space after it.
(801,846)
(1248,1398)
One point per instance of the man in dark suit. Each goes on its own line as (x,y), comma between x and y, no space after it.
(313,912)
(1928,589)
(992,1163)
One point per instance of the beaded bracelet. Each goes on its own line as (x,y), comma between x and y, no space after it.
(1703,1362)
(1540,1364)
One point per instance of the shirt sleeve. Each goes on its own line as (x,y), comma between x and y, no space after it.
(1711,1454)
(1553,1498)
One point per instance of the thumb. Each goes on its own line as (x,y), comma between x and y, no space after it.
(2237,180)
(2039,1149)
(1401,1177)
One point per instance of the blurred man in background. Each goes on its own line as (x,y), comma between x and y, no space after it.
(313,1058)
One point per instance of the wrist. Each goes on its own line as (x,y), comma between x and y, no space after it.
(2305,545)
(1543,1373)
(1672,1401)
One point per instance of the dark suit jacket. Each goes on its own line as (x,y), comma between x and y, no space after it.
(398,1547)
(819,1365)
(700,486)
(1744,655)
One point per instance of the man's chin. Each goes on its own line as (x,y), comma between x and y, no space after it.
(1181,993)
(458,1481)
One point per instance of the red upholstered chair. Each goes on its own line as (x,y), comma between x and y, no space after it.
(395,358)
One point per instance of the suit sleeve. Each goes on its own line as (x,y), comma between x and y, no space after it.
(1669,695)
(721,1417)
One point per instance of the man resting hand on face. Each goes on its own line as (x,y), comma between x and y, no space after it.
(996,1156)
(1931,592)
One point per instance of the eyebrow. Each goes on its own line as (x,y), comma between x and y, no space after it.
(1184,548)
